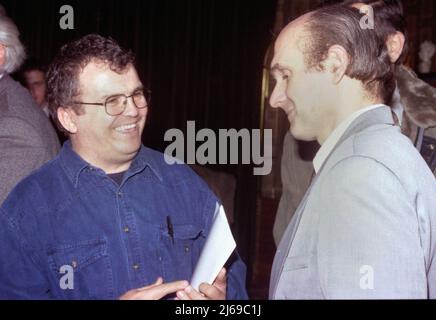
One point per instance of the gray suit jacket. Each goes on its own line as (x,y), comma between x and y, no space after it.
(366,226)
(27,138)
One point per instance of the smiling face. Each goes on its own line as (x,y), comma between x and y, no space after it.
(105,141)
(305,95)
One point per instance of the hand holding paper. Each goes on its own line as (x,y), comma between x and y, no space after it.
(217,249)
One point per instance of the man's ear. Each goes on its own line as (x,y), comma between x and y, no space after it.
(337,62)
(67,117)
(2,54)
(395,45)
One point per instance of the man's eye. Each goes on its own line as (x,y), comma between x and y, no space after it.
(138,93)
(115,100)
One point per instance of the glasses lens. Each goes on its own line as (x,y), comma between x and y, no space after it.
(140,99)
(115,105)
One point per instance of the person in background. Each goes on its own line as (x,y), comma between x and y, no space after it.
(34,79)
(27,139)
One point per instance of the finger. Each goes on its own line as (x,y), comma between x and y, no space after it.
(221,278)
(182,295)
(172,287)
(160,291)
(212,292)
(221,281)
(194,294)
(158,282)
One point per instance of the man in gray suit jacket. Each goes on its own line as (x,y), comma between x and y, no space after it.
(27,138)
(414,103)
(364,227)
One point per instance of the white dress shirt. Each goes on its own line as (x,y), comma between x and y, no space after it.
(334,137)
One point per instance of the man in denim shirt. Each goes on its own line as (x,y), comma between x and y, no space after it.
(108,218)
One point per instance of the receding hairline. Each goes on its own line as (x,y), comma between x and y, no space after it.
(295,32)
(297,27)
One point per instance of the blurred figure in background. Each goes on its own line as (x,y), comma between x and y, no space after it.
(34,79)
(27,139)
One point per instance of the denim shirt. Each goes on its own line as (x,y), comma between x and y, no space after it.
(70,216)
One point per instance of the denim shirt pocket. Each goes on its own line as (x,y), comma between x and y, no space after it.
(92,273)
(181,250)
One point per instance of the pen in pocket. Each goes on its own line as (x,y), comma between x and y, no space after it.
(170,229)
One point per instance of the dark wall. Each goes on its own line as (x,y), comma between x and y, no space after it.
(201,59)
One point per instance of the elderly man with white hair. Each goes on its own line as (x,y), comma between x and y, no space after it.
(27,139)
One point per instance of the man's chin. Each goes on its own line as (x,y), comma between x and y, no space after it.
(296,133)
(299,135)
(129,148)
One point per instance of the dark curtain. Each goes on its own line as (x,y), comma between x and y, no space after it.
(201,59)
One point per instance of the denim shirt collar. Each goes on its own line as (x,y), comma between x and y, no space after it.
(74,165)
(146,158)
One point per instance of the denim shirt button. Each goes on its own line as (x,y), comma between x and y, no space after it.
(119,194)
(74,264)
(126,229)
(136,266)
(187,249)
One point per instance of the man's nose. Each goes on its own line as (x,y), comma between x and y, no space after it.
(131,109)
(277,98)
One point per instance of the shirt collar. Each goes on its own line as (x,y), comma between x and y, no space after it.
(147,158)
(74,165)
(334,137)
(71,162)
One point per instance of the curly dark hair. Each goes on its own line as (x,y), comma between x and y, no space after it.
(63,72)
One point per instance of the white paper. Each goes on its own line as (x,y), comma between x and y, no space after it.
(217,249)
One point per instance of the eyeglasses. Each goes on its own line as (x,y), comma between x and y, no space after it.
(116,104)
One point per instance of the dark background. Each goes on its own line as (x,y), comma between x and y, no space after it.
(202,60)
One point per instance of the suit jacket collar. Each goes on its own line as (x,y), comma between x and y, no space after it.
(382,115)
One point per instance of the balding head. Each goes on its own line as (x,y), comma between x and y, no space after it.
(369,57)
(292,35)
(326,67)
